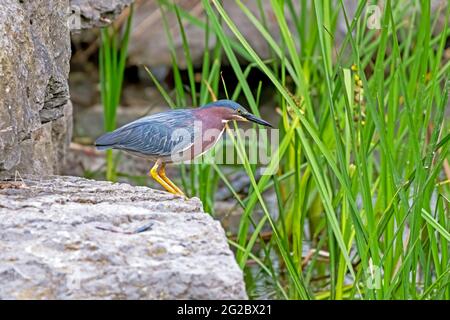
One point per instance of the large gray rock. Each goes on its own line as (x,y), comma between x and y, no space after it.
(71,238)
(35,111)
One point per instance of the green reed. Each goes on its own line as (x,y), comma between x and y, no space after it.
(112,62)
(363,148)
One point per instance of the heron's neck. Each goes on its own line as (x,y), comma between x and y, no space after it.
(211,118)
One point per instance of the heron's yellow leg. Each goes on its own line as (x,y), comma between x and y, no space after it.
(154,173)
(162,174)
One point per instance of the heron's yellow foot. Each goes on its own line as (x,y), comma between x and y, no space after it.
(159,174)
(162,174)
(154,173)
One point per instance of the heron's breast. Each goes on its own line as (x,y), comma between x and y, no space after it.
(204,138)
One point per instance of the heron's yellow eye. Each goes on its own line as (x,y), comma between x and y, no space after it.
(239,111)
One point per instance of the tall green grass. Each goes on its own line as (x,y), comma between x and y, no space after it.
(112,62)
(364,140)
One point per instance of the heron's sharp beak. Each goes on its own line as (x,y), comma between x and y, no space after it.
(254,119)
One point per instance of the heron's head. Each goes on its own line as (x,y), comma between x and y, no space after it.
(230,110)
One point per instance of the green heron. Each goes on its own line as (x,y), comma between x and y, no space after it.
(176,135)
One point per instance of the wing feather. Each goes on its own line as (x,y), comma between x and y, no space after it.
(156,135)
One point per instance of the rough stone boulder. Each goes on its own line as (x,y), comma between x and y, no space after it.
(35,110)
(72,238)
(35,107)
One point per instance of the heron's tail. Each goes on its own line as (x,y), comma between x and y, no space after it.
(106,141)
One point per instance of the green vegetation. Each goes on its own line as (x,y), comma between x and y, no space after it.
(364,140)
(112,59)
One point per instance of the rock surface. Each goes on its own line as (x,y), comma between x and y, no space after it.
(35,107)
(35,110)
(96,13)
(71,238)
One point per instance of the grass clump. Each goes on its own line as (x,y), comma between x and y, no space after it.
(112,62)
(363,175)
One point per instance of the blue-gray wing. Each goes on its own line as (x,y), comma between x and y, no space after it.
(160,134)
